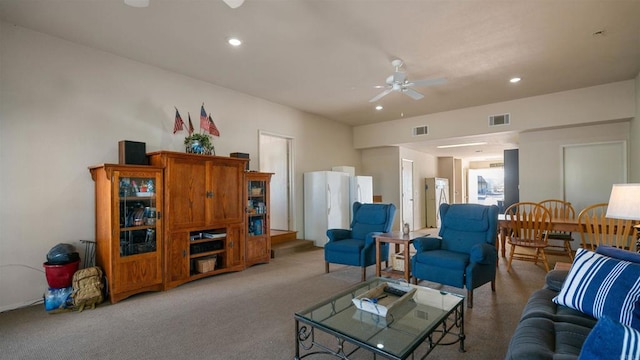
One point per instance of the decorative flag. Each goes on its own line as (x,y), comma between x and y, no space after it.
(204,122)
(213,130)
(190,125)
(178,125)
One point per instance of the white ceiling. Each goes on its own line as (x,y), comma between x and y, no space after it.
(326,56)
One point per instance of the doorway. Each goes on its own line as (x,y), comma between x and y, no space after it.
(486,186)
(276,156)
(407,193)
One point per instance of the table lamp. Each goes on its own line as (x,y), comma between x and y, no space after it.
(624,203)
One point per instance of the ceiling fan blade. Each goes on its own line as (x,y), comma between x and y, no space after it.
(399,77)
(381,95)
(233,3)
(429,82)
(412,93)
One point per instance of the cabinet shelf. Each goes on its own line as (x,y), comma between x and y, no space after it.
(137,198)
(200,241)
(207,253)
(134,228)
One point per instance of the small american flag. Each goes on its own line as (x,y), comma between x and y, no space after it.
(213,130)
(204,122)
(178,125)
(190,125)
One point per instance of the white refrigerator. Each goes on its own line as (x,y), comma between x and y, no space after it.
(361,191)
(326,204)
(437,192)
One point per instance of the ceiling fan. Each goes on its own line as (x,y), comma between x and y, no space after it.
(398,82)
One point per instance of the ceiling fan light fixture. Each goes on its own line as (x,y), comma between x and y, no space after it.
(137,3)
(514,80)
(379,107)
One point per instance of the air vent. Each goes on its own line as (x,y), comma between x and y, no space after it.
(497,120)
(421,130)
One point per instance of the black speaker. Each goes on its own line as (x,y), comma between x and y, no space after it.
(132,152)
(242,156)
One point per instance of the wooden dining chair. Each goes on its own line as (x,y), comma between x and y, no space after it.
(529,225)
(560,241)
(597,229)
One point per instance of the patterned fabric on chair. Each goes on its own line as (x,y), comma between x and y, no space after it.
(357,247)
(464,255)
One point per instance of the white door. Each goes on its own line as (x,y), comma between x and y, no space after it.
(407,193)
(276,154)
(589,170)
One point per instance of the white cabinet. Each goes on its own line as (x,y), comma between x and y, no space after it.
(326,204)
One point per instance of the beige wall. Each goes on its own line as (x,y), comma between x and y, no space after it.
(540,156)
(569,108)
(64,107)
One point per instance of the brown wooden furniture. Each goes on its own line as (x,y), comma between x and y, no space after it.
(560,241)
(562,266)
(556,224)
(529,228)
(601,230)
(129,239)
(204,207)
(258,244)
(398,238)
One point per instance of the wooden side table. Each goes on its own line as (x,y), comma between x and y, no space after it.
(398,238)
(562,266)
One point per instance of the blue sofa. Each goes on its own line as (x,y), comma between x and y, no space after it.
(547,330)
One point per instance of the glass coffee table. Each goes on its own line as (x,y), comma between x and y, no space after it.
(427,316)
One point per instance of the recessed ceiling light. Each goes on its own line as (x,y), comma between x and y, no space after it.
(379,107)
(234,42)
(137,3)
(515,80)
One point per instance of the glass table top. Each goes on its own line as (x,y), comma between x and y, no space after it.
(405,327)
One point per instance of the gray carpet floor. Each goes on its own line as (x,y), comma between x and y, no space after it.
(244,315)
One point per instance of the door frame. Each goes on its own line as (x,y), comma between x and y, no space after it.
(407,203)
(291,219)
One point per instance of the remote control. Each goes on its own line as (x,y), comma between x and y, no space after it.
(394,291)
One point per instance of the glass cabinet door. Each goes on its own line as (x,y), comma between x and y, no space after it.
(138,214)
(256,207)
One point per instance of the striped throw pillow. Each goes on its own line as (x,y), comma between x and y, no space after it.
(602,286)
(611,340)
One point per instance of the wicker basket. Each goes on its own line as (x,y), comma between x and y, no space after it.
(397,260)
(206,265)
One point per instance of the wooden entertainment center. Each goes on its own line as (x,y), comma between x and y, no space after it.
(204,216)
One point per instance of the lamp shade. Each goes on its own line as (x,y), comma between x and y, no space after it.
(624,202)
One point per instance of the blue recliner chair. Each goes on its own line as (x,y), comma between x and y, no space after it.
(465,254)
(357,247)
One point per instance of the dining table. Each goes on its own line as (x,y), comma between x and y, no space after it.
(569,225)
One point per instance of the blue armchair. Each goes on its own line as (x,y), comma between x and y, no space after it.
(465,253)
(357,247)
